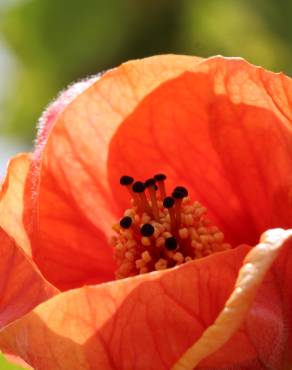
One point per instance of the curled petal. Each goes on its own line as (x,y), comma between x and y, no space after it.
(165,312)
(22,287)
(68,182)
(142,322)
(11,201)
(224,131)
(256,264)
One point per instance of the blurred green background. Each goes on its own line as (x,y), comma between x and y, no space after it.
(46,44)
(50,43)
(4,365)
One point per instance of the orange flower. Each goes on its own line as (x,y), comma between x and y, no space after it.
(221,127)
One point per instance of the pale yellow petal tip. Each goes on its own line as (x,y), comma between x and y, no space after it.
(275,237)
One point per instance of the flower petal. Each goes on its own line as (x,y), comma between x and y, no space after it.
(21,285)
(148,321)
(75,208)
(251,275)
(224,131)
(11,200)
(282,273)
(145,322)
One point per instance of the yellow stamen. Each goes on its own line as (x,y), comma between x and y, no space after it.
(145,242)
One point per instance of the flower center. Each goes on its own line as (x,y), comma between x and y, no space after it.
(160,231)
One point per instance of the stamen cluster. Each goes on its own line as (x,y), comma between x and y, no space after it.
(160,231)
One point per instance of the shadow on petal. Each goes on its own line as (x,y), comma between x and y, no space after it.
(249,309)
(147,321)
(69,208)
(234,157)
(21,285)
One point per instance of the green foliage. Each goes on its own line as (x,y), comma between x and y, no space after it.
(56,42)
(4,365)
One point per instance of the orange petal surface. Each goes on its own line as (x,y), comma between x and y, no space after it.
(148,322)
(68,183)
(265,323)
(145,322)
(21,285)
(11,201)
(224,131)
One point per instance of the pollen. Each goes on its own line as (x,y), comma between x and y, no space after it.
(160,231)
